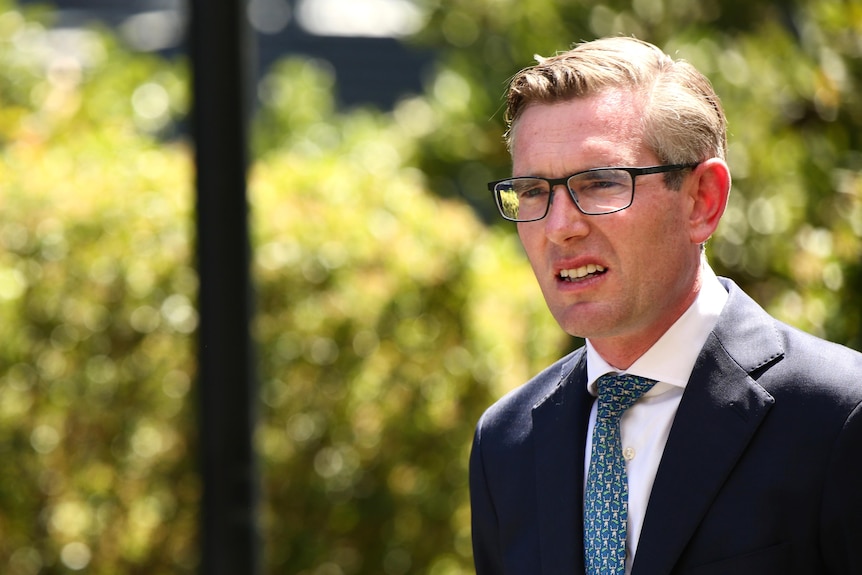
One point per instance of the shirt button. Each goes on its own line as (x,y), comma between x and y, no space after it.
(629,453)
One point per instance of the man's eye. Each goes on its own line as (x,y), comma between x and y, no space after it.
(604,184)
(601,187)
(532,193)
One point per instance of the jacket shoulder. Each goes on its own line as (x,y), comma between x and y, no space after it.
(785,360)
(512,412)
(813,363)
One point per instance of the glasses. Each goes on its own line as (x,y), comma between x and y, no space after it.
(595,192)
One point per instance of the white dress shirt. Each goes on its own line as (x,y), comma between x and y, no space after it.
(645,426)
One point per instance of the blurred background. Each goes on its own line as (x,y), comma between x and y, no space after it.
(391,305)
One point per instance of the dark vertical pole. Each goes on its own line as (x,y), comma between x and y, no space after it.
(221,46)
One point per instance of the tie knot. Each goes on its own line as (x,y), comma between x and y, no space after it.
(618,392)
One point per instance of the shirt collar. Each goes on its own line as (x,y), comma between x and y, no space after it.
(671,359)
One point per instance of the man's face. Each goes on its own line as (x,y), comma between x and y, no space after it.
(631,273)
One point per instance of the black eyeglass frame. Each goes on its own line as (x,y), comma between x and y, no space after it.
(564,181)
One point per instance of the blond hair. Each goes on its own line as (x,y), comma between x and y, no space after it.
(683,121)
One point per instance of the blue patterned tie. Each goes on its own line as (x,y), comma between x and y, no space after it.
(607,492)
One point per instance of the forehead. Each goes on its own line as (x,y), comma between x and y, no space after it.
(602,129)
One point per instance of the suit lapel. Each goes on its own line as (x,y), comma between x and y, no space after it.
(718,415)
(559,432)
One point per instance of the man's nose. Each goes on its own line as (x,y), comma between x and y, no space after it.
(564,220)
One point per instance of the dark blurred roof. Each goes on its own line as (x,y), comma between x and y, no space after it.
(368,70)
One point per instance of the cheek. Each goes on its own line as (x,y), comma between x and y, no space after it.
(665,255)
(655,240)
(530,240)
(662,219)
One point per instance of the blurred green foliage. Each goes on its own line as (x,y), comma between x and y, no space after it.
(378,306)
(390,313)
(96,312)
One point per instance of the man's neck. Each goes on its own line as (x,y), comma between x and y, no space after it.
(623,350)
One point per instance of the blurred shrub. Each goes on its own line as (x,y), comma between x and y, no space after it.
(96,312)
(387,320)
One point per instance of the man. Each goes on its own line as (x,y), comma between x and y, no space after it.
(741,451)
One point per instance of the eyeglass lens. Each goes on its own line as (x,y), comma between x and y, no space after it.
(595,192)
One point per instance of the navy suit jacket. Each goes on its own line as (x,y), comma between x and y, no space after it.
(761,474)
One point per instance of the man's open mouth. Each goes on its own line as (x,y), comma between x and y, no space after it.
(582,272)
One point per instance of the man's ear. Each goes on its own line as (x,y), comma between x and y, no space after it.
(709,186)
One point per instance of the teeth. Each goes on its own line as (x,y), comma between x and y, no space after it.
(581,272)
